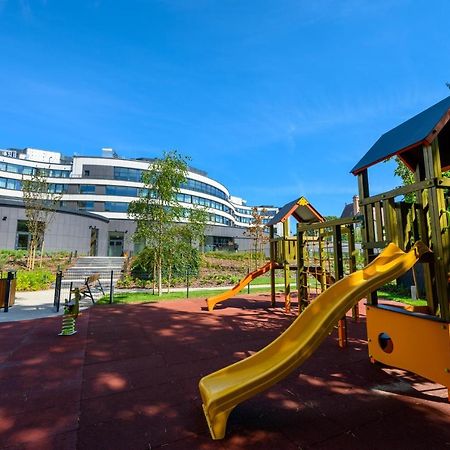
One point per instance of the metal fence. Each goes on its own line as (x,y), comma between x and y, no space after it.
(91,284)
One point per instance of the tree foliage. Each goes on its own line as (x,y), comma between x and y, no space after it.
(407,177)
(256,231)
(40,203)
(166,228)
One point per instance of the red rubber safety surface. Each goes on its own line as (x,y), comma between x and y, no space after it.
(128,380)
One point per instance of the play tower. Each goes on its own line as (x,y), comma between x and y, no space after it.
(411,341)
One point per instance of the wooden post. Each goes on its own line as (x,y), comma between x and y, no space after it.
(301,274)
(338,275)
(272,268)
(287,274)
(378,222)
(438,221)
(352,263)
(323,269)
(368,235)
(390,221)
(428,269)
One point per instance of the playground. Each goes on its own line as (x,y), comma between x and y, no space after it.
(372,374)
(129,380)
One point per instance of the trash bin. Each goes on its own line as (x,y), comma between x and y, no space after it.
(12,290)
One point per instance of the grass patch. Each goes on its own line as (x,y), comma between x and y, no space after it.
(148,297)
(401,298)
(232,256)
(396,293)
(266,280)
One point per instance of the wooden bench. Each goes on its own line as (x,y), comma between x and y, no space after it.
(91,283)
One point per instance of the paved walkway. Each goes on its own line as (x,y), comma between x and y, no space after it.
(35,305)
(39,304)
(129,380)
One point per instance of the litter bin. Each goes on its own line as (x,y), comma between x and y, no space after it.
(4,287)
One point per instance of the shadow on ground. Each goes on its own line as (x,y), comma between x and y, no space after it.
(129,380)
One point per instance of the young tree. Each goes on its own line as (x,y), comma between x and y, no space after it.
(256,232)
(157,210)
(41,202)
(183,255)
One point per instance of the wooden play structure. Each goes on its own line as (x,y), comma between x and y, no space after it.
(283,251)
(326,253)
(396,237)
(416,342)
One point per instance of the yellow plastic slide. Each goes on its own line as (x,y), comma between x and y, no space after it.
(221,391)
(212,301)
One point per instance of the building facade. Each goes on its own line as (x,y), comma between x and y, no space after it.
(96,192)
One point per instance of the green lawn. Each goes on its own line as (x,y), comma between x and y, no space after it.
(401,298)
(266,280)
(148,297)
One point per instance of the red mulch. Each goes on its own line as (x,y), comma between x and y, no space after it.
(128,380)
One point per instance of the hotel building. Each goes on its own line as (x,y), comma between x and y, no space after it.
(96,191)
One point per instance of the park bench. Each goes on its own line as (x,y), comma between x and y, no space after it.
(91,284)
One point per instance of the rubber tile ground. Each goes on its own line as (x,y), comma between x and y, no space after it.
(129,380)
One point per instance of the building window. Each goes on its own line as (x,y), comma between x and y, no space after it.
(28,170)
(199,186)
(86,206)
(116,206)
(123,191)
(127,174)
(87,188)
(23,236)
(6,183)
(57,188)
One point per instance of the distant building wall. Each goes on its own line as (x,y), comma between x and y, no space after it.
(70,231)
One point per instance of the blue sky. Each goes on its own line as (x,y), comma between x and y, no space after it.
(273,98)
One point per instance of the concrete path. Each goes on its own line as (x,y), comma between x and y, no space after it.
(35,305)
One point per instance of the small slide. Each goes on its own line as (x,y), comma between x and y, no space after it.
(221,391)
(212,301)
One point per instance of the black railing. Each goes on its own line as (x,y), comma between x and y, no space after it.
(103,284)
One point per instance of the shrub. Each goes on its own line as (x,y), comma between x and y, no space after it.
(142,265)
(35,280)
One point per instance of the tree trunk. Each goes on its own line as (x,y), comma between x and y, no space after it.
(159,268)
(42,253)
(31,254)
(154,276)
(34,256)
(169,279)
